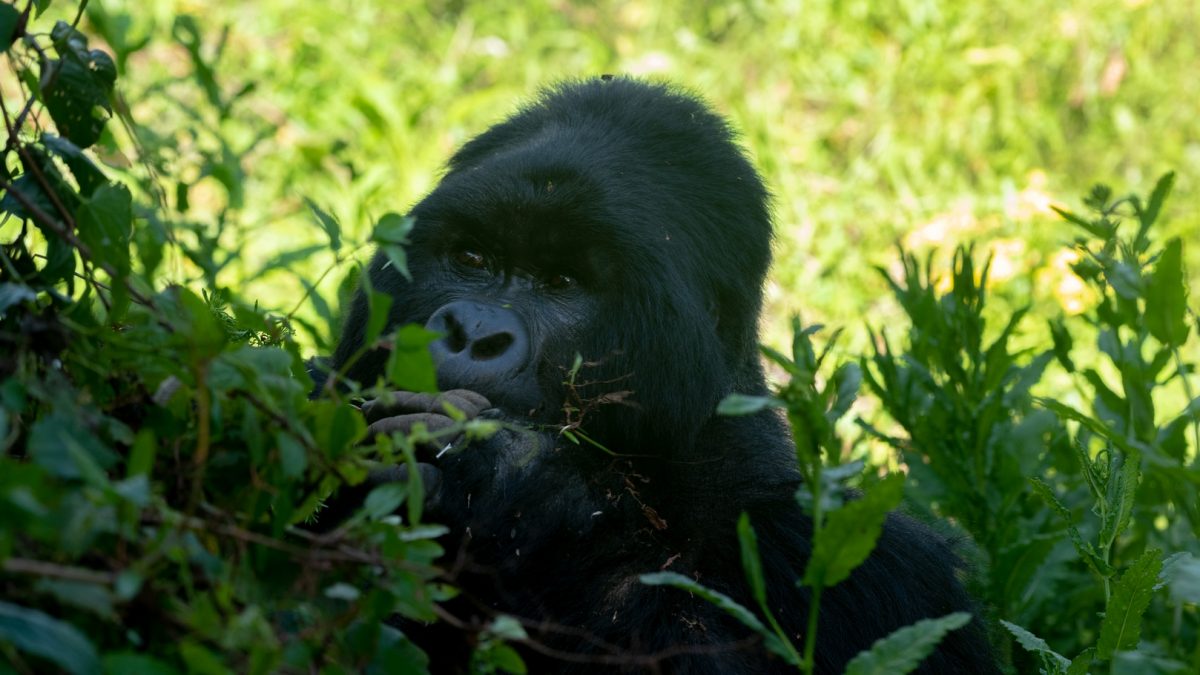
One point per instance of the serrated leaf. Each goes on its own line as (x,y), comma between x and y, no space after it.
(1095,229)
(903,650)
(740,404)
(1056,663)
(1063,343)
(1162,189)
(849,533)
(40,634)
(332,228)
(724,603)
(1122,626)
(1166,297)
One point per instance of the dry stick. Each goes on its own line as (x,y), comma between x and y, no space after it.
(42,568)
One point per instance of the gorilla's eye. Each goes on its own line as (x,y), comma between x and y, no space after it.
(560,281)
(468,258)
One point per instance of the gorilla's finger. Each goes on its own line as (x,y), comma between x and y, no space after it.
(406,402)
(471,403)
(405,423)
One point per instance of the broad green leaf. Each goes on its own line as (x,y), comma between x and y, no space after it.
(410,365)
(741,404)
(724,603)
(849,533)
(293,459)
(87,174)
(379,306)
(1122,625)
(1052,661)
(105,223)
(61,444)
(903,650)
(76,86)
(9,18)
(384,500)
(391,234)
(1166,297)
(40,634)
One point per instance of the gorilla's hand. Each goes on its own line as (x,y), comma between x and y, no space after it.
(402,410)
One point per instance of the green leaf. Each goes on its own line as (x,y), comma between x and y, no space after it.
(76,86)
(1062,344)
(1166,297)
(10,17)
(328,223)
(849,533)
(751,563)
(1162,188)
(391,234)
(105,223)
(1081,664)
(379,306)
(740,404)
(724,603)
(1130,597)
(1097,230)
(1181,574)
(384,500)
(903,650)
(410,365)
(293,459)
(40,634)
(1052,661)
(14,294)
(87,174)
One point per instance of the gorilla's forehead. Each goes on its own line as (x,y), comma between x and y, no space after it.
(559,203)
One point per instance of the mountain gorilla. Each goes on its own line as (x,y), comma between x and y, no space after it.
(618,221)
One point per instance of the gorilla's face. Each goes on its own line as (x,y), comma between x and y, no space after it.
(508,291)
(613,223)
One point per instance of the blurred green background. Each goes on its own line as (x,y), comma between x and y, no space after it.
(875,123)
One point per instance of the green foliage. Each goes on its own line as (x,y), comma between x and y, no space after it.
(160,458)
(902,651)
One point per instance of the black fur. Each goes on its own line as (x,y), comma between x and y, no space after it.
(639,194)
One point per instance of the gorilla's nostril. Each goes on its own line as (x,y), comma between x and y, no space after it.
(491,346)
(456,337)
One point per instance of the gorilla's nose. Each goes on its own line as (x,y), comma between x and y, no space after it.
(483,345)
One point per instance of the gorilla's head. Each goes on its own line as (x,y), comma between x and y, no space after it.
(611,219)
